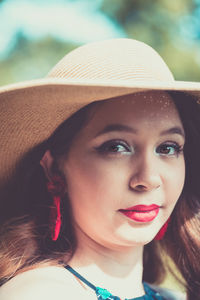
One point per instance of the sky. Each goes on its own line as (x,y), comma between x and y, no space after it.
(68,20)
(79,21)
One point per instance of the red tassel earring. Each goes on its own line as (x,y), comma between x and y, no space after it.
(161,233)
(56,187)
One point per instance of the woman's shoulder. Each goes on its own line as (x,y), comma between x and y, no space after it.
(168,294)
(50,283)
(53,282)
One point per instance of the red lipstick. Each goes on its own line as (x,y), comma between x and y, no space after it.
(141,213)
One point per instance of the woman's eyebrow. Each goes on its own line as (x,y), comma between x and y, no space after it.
(116,127)
(121,127)
(174,130)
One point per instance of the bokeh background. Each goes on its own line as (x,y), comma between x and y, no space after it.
(35,34)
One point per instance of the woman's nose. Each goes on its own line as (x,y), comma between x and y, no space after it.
(146,176)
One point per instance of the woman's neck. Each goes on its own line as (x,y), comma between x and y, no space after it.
(119,270)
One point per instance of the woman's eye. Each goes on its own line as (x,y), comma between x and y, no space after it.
(169,149)
(114,147)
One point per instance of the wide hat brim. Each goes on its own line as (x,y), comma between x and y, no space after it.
(30,111)
(48,102)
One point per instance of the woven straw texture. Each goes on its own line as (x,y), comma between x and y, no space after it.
(30,111)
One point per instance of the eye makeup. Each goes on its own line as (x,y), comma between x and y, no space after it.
(114,146)
(169,149)
(121,147)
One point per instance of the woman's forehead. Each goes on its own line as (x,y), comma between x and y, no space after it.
(141,112)
(135,107)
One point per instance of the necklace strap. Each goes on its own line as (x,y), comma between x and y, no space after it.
(80,277)
(103,294)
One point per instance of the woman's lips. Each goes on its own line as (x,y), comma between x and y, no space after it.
(141,213)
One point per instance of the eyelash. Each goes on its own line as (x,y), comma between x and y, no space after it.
(110,146)
(104,148)
(177,148)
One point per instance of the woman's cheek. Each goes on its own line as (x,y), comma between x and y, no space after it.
(102,181)
(176,179)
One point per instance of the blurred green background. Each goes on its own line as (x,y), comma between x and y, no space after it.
(35,34)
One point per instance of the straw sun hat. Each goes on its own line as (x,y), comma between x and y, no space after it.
(30,111)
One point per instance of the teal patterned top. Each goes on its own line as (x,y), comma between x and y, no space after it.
(103,294)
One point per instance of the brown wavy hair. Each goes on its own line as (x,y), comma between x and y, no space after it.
(25,238)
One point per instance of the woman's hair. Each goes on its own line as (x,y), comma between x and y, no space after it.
(182,241)
(25,237)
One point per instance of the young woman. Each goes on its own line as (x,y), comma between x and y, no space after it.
(100,177)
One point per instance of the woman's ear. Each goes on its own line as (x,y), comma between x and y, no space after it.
(46,162)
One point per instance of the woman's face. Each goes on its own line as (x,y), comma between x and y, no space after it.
(125,170)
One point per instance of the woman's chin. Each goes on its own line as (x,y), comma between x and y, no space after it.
(138,236)
(135,241)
